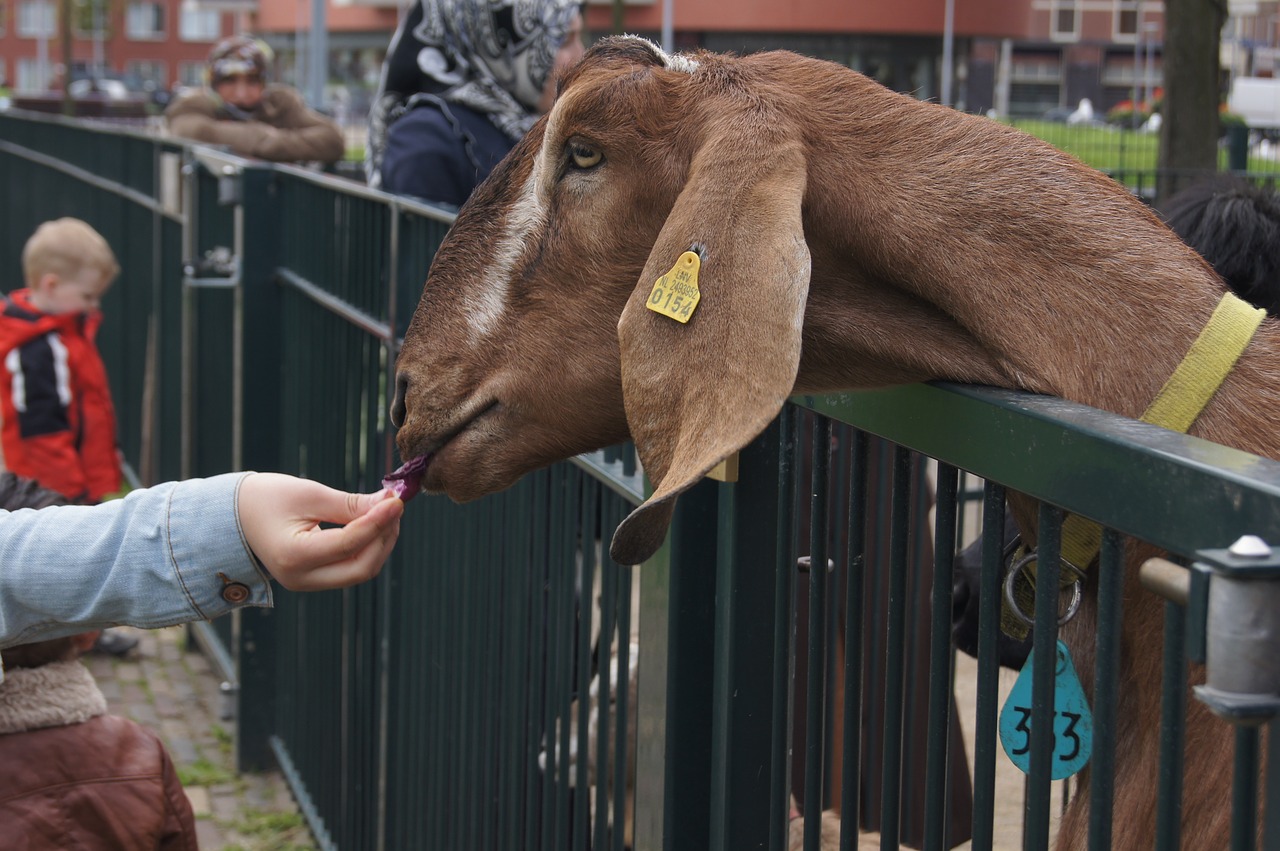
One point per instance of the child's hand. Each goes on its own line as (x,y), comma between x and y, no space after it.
(281,517)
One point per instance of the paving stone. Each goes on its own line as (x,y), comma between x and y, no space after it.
(227,806)
(181,750)
(257,794)
(127,672)
(143,713)
(183,688)
(168,707)
(199,798)
(110,690)
(197,664)
(132,694)
(209,835)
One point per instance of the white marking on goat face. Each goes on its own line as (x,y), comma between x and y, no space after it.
(525,218)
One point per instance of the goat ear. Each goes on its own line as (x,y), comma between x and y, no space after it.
(696,392)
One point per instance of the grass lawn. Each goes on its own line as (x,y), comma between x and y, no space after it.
(1115,150)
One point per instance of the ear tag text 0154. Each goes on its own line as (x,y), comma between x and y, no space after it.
(1072,720)
(676,293)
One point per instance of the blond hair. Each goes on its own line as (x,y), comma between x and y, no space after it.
(64,247)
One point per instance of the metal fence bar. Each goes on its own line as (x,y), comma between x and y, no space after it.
(1244,790)
(1271,822)
(1173,716)
(855,607)
(722,672)
(1044,657)
(1106,685)
(624,762)
(783,578)
(985,710)
(815,700)
(940,659)
(895,676)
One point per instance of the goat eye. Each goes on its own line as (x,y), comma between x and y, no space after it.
(585,157)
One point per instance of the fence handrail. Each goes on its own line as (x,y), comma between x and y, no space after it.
(1138,480)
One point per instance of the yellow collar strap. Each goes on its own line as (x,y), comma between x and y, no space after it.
(1206,365)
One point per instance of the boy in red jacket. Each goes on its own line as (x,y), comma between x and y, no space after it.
(59,426)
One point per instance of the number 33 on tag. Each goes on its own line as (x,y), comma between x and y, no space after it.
(1072,720)
(676,294)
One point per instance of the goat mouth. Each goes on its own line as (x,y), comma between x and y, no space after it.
(408,479)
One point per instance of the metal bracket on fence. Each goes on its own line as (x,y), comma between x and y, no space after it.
(218,267)
(227,169)
(1242,631)
(805,563)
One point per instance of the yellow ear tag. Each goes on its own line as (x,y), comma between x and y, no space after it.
(676,294)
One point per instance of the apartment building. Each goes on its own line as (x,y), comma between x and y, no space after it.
(1020,56)
(161,42)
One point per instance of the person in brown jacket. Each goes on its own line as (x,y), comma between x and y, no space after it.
(74,776)
(252,117)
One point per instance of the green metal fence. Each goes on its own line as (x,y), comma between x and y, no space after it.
(502,684)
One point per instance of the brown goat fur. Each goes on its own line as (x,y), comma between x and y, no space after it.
(851,237)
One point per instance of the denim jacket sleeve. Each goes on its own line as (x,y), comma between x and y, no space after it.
(160,556)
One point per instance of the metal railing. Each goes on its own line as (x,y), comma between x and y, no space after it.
(503,684)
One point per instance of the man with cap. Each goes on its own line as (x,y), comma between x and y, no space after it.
(252,117)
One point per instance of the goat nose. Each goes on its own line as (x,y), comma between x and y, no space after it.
(397,404)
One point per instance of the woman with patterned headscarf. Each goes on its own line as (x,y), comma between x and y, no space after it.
(463,81)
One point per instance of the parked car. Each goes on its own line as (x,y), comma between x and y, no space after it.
(112,86)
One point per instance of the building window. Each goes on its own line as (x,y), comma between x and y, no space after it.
(147,71)
(91,18)
(144,21)
(1066,21)
(199,24)
(191,73)
(33,76)
(37,19)
(1126,21)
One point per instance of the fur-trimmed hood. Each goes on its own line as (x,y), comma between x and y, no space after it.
(53,695)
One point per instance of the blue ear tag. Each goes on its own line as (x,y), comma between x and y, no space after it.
(1072,720)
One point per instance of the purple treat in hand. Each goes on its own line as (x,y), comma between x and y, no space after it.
(407,481)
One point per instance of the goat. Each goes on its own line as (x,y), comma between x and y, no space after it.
(849,237)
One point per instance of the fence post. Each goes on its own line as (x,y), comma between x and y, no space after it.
(673,756)
(742,731)
(704,762)
(259,364)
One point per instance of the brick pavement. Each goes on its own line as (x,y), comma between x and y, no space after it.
(175,692)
